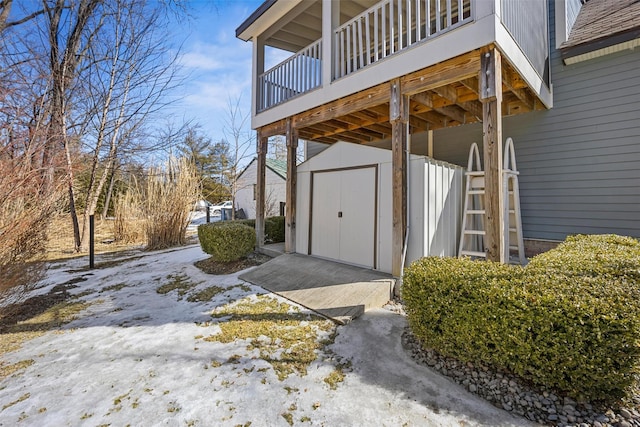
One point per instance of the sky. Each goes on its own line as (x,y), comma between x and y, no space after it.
(216,63)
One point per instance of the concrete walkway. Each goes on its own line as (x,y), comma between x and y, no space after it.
(373,345)
(339,291)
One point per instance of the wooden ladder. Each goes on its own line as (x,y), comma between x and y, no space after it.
(473,230)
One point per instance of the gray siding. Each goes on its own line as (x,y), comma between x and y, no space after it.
(579,162)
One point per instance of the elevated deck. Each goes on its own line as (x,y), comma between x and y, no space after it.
(340,48)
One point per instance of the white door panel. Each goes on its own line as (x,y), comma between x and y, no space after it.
(325,231)
(358,212)
(343,215)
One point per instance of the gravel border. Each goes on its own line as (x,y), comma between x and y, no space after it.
(513,394)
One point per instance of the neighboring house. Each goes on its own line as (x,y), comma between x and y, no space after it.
(430,78)
(276,177)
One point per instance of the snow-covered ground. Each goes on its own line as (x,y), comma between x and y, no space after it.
(139,357)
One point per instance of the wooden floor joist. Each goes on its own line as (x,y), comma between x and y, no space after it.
(446,94)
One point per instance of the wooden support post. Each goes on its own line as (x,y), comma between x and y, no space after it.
(290,215)
(260,188)
(491,98)
(399,117)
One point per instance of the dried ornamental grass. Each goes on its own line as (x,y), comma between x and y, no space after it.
(166,203)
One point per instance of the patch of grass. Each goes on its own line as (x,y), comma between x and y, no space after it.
(115,287)
(9,369)
(13,336)
(242,287)
(179,282)
(173,407)
(291,389)
(288,417)
(285,338)
(335,377)
(205,294)
(247,424)
(84,293)
(60,239)
(18,400)
(305,419)
(86,416)
(118,400)
(54,317)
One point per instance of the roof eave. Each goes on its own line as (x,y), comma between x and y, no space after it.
(600,47)
(242,32)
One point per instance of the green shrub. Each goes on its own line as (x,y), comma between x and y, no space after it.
(274,229)
(570,320)
(228,241)
(249,222)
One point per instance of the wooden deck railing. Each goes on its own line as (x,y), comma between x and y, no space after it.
(296,75)
(391,26)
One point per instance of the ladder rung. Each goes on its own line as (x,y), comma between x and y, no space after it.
(514,248)
(476,232)
(474,253)
(475,192)
(475,212)
(475,173)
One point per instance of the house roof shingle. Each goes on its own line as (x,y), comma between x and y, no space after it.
(601,19)
(278,166)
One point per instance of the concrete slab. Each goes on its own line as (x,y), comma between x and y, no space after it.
(272,249)
(373,344)
(339,291)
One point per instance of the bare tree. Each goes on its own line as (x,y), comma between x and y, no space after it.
(129,85)
(240,142)
(5,11)
(27,203)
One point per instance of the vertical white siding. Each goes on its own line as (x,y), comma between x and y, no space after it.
(527,23)
(443,207)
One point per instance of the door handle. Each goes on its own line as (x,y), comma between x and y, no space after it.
(340,214)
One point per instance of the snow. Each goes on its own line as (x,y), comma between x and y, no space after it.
(134,357)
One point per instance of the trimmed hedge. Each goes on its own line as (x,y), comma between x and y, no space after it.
(227,241)
(570,320)
(273,227)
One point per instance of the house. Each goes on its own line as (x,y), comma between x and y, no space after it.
(423,80)
(275,185)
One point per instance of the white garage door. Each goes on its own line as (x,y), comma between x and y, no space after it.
(343,215)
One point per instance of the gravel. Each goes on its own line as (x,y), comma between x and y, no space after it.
(515,395)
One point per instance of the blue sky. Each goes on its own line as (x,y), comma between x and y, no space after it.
(218,64)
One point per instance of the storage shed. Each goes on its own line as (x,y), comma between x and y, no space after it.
(344,209)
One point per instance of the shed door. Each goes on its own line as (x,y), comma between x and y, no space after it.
(343,216)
